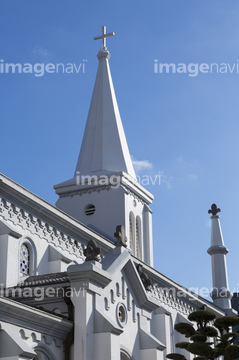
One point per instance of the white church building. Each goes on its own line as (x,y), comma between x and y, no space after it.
(77,280)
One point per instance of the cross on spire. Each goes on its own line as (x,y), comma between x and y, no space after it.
(103,37)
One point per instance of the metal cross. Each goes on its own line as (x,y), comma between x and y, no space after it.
(103,37)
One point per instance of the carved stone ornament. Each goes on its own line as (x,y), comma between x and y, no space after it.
(121,239)
(144,277)
(92,252)
(214,210)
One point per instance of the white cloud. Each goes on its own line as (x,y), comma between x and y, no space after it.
(179,159)
(140,165)
(192,177)
(187,170)
(167,180)
(39,50)
(152,178)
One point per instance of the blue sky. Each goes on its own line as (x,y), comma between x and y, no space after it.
(184,127)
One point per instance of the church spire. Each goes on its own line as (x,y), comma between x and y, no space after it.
(221,294)
(104,192)
(104,148)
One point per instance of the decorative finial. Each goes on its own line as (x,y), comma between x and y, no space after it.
(103,37)
(144,277)
(92,252)
(214,210)
(121,239)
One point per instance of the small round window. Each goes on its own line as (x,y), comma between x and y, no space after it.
(121,314)
(90,209)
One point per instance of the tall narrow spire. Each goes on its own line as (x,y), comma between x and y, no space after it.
(104,148)
(221,294)
(104,191)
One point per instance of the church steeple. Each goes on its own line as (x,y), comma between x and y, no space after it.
(104,191)
(104,147)
(221,294)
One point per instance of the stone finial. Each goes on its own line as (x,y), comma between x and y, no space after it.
(214,210)
(144,277)
(121,239)
(92,252)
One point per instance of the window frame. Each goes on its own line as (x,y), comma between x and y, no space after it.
(138,238)
(32,257)
(43,353)
(124,355)
(132,232)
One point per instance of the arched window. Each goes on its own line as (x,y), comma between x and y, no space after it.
(43,353)
(131,232)
(124,355)
(41,356)
(27,257)
(24,260)
(138,238)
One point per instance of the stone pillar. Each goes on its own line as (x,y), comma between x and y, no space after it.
(220,294)
(152,354)
(162,328)
(9,250)
(148,236)
(106,347)
(87,280)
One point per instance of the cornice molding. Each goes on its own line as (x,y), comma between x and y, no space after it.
(37,227)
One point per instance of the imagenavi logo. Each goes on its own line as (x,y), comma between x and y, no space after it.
(194,69)
(40,69)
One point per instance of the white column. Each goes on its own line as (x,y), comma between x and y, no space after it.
(87,280)
(162,329)
(220,294)
(106,347)
(148,236)
(151,354)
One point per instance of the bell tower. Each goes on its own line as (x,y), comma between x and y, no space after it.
(104,191)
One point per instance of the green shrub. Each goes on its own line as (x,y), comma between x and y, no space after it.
(225,322)
(185,329)
(182,345)
(232,352)
(201,316)
(199,337)
(175,357)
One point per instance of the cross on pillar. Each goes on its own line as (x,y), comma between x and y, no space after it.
(121,239)
(214,210)
(103,37)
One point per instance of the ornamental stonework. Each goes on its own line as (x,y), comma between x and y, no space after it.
(166,297)
(28,222)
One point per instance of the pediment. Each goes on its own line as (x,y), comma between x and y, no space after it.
(120,266)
